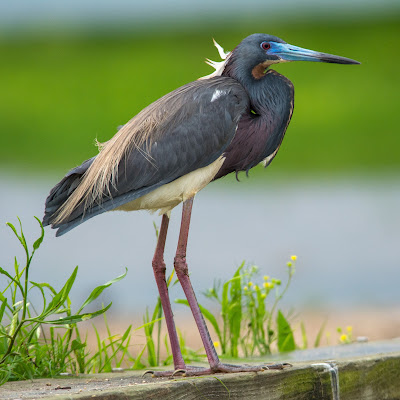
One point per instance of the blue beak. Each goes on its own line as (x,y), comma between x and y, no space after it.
(289,52)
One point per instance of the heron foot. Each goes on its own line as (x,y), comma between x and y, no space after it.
(218,369)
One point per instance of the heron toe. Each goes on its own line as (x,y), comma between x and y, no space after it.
(220,368)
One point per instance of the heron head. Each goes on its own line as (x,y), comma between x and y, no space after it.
(261,50)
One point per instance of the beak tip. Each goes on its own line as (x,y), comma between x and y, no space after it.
(354,62)
(340,60)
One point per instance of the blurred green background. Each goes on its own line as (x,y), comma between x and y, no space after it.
(61,88)
(72,71)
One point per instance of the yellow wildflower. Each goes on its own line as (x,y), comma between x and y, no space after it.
(216,344)
(293,258)
(344,338)
(349,329)
(266,277)
(250,284)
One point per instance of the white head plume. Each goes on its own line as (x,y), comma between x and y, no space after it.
(217,65)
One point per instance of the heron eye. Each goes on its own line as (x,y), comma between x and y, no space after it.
(265,45)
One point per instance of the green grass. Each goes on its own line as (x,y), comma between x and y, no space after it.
(61,92)
(27,350)
(44,340)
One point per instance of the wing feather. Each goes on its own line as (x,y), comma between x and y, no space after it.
(177,134)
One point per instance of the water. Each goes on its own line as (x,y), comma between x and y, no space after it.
(333,370)
(345,233)
(84,12)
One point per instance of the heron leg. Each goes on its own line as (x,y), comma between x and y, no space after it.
(182,273)
(159,273)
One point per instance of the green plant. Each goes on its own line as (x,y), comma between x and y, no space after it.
(346,336)
(45,343)
(27,349)
(247,325)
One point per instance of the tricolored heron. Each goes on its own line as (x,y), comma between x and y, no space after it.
(229,121)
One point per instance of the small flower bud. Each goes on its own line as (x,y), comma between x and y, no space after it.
(254,269)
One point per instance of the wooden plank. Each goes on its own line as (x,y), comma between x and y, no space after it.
(373,377)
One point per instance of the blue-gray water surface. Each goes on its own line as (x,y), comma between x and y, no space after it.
(346,234)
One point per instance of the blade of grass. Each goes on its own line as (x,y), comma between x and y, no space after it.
(285,334)
(207,314)
(304,335)
(319,334)
(96,292)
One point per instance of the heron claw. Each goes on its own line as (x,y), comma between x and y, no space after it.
(179,371)
(149,371)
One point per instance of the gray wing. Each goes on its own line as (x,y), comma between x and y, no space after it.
(201,122)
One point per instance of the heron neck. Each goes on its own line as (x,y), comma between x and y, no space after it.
(267,92)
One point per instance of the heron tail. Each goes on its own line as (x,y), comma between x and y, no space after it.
(80,213)
(60,194)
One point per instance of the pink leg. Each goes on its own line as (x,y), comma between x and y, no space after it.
(159,273)
(182,273)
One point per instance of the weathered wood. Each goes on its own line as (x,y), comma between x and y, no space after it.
(372,377)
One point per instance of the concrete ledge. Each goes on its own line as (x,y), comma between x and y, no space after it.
(368,377)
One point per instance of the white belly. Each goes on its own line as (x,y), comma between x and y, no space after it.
(168,196)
